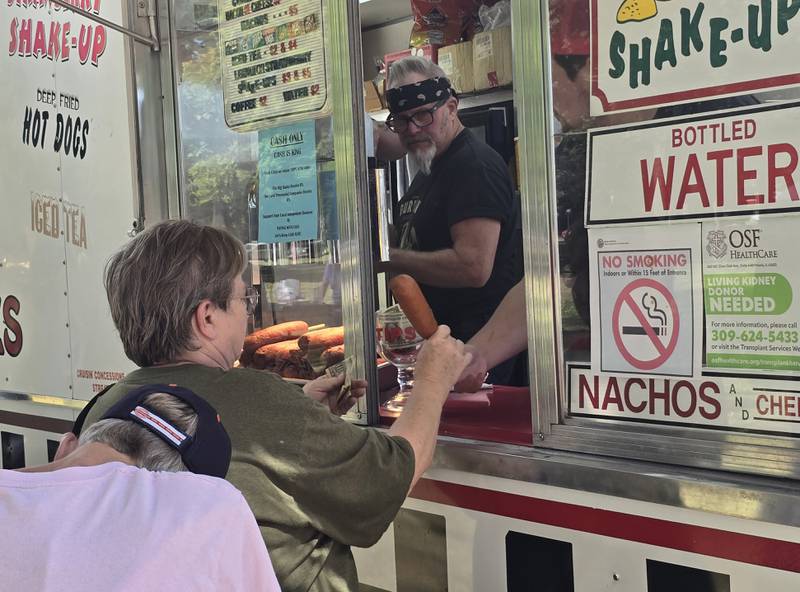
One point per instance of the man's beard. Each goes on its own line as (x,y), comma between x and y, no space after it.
(422,157)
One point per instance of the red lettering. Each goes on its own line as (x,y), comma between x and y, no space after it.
(716,407)
(627,393)
(676,137)
(98,44)
(743,175)
(12,336)
(39,43)
(663,395)
(649,182)
(84,41)
(697,186)
(53,48)
(774,171)
(12,44)
(749,128)
(737,129)
(584,389)
(761,399)
(65,41)
(612,395)
(24,48)
(774,405)
(684,384)
(719,156)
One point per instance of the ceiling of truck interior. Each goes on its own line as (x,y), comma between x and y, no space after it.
(375,13)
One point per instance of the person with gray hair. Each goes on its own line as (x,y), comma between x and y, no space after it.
(459,222)
(316,483)
(118,510)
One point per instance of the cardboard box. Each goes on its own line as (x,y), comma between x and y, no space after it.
(427,51)
(456,61)
(491,58)
(372,100)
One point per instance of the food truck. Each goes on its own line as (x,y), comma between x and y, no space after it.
(654,146)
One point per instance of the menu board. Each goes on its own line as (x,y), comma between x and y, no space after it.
(274,66)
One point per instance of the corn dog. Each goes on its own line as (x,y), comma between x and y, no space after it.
(412,301)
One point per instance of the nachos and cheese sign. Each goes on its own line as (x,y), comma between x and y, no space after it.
(647,53)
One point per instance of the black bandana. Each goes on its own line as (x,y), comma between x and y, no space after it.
(410,96)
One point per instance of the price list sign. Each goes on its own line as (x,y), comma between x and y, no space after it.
(273,61)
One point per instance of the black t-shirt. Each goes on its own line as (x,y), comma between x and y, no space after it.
(470,180)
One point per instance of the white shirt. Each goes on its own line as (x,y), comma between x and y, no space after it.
(118,527)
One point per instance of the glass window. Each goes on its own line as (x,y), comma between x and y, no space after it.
(426,207)
(230,179)
(676,199)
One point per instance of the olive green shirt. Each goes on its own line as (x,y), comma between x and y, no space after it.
(315,483)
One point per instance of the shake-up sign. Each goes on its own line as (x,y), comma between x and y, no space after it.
(658,52)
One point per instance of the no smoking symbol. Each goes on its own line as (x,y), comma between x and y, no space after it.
(646,324)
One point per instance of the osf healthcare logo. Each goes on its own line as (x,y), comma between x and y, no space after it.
(716,243)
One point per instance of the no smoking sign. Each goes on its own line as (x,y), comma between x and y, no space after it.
(646,312)
(646,324)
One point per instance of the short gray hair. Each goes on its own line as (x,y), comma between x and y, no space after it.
(145,449)
(156,281)
(413,65)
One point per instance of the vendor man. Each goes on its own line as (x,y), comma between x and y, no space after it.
(459,232)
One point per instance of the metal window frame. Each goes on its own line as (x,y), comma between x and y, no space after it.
(355,237)
(776,456)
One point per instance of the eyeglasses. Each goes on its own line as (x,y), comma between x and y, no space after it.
(250,299)
(422,118)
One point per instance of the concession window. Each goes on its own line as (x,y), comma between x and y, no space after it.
(672,214)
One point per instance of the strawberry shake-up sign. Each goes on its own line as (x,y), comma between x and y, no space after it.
(647,53)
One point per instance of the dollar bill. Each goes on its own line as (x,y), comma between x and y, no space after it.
(344,367)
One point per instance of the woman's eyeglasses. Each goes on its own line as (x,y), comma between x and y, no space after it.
(421,118)
(250,299)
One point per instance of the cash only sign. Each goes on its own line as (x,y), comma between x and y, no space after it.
(656,52)
(692,221)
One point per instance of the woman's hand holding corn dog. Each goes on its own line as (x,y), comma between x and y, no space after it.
(440,362)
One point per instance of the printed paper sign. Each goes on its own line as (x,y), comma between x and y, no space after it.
(750,403)
(273,61)
(656,52)
(287,174)
(736,164)
(644,300)
(751,280)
